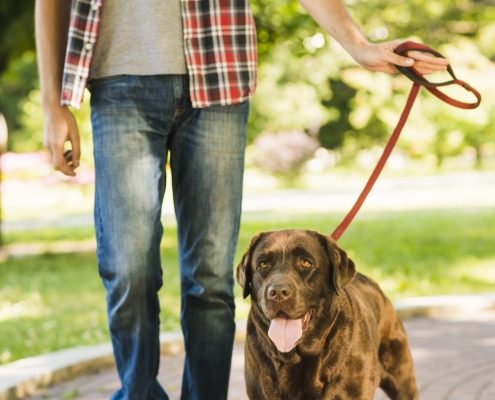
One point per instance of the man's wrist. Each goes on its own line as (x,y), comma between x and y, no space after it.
(356,46)
(50,102)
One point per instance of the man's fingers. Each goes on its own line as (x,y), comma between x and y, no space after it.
(75,154)
(400,60)
(61,160)
(424,71)
(428,58)
(396,59)
(75,143)
(424,62)
(68,157)
(427,63)
(420,65)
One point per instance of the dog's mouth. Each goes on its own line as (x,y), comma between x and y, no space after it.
(285,332)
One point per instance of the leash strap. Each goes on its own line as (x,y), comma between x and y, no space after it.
(418,81)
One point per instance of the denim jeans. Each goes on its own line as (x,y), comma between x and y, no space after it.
(137,121)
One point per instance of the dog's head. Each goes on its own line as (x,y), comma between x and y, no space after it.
(291,275)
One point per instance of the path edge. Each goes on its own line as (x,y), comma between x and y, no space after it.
(25,377)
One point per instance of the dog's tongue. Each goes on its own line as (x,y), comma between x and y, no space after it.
(285,333)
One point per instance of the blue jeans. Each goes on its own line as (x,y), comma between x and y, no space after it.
(137,121)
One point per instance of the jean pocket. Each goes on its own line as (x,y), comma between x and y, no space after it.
(95,83)
(237,108)
(121,91)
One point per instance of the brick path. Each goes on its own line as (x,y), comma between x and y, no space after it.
(454,359)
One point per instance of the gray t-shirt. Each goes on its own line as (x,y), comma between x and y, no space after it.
(139,37)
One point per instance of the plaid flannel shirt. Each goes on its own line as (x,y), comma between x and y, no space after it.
(219,42)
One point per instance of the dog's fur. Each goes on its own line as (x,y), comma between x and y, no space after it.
(354,341)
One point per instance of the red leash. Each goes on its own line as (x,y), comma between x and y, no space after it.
(418,81)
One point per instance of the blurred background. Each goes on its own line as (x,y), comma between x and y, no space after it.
(317,126)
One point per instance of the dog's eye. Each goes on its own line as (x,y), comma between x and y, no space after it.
(262,265)
(304,263)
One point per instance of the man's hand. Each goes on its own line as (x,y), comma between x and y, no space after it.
(333,17)
(60,126)
(381,57)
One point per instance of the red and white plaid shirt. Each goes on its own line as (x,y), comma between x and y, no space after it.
(219,42)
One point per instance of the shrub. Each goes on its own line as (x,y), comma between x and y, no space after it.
(284,154)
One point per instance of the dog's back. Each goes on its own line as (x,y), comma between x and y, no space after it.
(385,335)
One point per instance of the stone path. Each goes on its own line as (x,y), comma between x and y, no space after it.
(454,359)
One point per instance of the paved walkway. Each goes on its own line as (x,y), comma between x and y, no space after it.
(454,358)
(467,189)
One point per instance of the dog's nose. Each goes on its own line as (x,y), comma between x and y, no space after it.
(279,292)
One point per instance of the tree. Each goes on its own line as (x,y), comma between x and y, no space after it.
(16,30)
(18,73)
(306,82)
(360,108)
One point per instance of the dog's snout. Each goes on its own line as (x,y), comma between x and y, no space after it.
(279,292)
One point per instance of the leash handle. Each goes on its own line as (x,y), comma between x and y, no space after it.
(413,74)
(418,81)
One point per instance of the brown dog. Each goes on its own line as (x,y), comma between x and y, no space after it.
(316,329)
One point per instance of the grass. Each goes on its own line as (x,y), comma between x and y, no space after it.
(55,301)
(48,235)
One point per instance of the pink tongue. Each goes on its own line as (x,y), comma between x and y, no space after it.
(285,333)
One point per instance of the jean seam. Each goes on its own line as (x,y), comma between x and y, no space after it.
(99,230)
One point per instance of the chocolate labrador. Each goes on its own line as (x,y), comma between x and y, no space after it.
(316,329)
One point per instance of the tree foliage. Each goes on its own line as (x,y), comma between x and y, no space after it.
(356,109)
(16,30)
(17,61)
(308,83)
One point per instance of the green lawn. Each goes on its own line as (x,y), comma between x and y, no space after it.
(55,301)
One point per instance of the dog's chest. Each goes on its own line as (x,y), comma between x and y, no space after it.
(301,381)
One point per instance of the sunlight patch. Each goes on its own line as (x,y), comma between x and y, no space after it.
(30,307)
(483,270)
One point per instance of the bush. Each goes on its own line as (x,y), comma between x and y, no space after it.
(284,154)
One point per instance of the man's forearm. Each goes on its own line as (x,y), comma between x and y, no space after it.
(333,17)
(51,23)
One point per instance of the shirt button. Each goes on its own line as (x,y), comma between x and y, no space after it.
(88,46)
(95,5)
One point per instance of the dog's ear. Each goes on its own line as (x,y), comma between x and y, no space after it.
(343,269)
(244,274)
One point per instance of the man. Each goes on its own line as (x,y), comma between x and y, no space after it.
(168,77)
